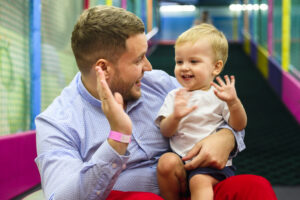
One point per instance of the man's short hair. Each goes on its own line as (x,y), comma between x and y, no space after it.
(101,32)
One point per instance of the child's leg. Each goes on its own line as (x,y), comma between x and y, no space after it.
(171,176)
(201,187)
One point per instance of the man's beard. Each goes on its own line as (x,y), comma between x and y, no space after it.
(118,85)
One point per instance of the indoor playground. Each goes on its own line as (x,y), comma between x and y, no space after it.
(36,63)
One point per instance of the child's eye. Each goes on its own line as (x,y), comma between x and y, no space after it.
(194,61)
(179,62)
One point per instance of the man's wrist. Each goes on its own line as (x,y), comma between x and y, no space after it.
(120,137)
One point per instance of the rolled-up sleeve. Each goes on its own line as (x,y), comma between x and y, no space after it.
(239,138)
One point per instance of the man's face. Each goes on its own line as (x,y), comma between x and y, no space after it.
(129,70)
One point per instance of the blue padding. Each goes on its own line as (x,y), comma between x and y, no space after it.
(254,50)
(173,26)
(35,60)
(275,76)
(224,24)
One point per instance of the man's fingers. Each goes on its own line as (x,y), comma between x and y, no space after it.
(192,153)
(102,86)
(196,162)
(119,98)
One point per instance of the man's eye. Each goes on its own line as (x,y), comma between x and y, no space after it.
(138,61)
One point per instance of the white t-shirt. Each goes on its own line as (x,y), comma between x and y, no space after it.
(205,120)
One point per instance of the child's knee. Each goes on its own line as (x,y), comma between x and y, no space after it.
(169,162)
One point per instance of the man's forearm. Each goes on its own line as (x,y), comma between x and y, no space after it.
(228,136)
(239,139)
(66,176)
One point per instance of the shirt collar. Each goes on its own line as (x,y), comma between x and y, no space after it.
(85,93)
(132,104)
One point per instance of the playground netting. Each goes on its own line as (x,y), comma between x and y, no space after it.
(58,65)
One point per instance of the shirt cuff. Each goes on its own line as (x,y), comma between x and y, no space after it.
(107,154)
(239,139)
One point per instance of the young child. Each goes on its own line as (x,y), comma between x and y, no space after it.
(195,111)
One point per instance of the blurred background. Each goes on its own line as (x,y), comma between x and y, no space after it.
(36,63)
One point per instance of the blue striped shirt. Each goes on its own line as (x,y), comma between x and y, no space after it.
(74,158)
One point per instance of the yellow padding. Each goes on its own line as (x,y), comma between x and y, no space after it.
(247,46)
(262,61)
(286,20)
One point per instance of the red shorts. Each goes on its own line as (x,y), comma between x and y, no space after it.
(240,187)
(118,195)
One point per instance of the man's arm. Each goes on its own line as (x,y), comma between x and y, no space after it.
(113,108)
(213,151)
(64,173)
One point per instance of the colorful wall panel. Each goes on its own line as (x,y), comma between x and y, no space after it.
(275,76)
(262,61)
(273,61)
(291,94)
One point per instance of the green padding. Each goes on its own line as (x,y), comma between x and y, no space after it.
(58,63)
(14,67)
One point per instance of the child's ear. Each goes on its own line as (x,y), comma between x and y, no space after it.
(218,68)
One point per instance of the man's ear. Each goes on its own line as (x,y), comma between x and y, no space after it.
(104,64)
(218,67)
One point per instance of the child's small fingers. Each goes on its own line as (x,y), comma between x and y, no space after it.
(180,91)
(227,79)
(220,81)
(216,86)
(232,79)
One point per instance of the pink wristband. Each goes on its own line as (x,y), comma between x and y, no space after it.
(120,137)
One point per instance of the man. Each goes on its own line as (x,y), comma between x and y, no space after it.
(99,134)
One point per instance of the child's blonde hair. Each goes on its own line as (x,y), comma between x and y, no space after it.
(217,39)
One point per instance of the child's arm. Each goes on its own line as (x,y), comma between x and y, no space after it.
(226,92)
(169,125)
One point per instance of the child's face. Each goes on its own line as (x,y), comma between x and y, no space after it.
(195,65)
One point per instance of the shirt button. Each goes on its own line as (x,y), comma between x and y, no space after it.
(124,166)
(114,165)
(98,193)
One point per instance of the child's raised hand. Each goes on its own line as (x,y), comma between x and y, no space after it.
(181,108)
(225,91)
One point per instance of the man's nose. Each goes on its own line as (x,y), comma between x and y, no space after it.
(147,65)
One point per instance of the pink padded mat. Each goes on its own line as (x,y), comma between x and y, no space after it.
(17,167)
